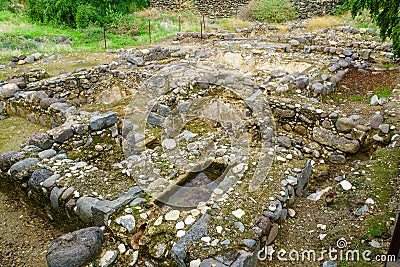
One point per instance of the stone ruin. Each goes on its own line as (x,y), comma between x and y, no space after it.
(206,161)
(229,8)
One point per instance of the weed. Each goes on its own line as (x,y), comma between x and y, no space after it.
(385,93)
(389,66)
(355,98)
(336,97)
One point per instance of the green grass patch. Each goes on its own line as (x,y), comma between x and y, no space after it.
(19,35)
(355,98)
(15,130)
(385,93)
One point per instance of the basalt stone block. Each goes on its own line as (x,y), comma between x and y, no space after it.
(46,102)
(8,90)
(75,249)
(345,124)
(41,140)
(104,209)
(21,169)
(8,159)
(324,137)
(303,178)
(100,122)
(62,133)
(84,208)
(37,177)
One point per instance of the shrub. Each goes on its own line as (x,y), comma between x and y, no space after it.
(269,11)
(80,13)
(85,15)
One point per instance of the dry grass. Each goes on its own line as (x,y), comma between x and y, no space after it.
(148,13)
(232,23)
(323,22)
(283,28)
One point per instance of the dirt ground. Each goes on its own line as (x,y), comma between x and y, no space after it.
(24,236)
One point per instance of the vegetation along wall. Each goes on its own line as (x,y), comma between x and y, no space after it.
(228,8)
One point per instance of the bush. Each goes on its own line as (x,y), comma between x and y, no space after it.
(85,16)
(269,11)
(80,13)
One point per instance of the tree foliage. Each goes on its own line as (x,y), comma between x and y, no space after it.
(386,13)
(80,13)
(8,5)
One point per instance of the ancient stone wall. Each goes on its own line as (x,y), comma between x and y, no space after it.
(229,8)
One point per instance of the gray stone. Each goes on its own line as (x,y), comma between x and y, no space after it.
(136,61)
(54,195)
(198,230)
(294,42)
(249,242)
(324,137)
(303,178)
(211,262)
(329,264)
(278,73)
(239,226)
(384,128)
(84,207)
(337,158)
(247,258)
(8,90)
(51,180)
(228,257)
(343,63)
(127,221)
(362,210)
(365,53)
(31,149)
(12,64)
(160,250)
(284,141)
(75,249)
(37,56)
(345,125)
(37,177)
(100,122)
(80,128)
(376,120)
(226,242)
(137,201)
(276,214)
(46,102)
(21,169)
(375,101)
(317,88)
(29,59)
(67,193)
(154,119)
(62,133)
(42,140)
(46,154)
(103,209)
(108,258)
(7,159)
